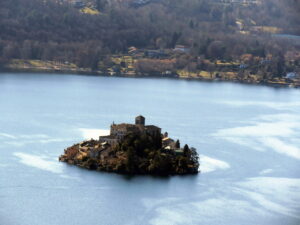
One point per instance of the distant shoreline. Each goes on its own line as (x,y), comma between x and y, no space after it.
(95,73)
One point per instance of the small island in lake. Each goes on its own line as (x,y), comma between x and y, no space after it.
(134,149)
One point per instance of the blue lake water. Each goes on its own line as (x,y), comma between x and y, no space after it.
(248,138)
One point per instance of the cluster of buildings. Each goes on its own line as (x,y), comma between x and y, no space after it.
(103,147)
(157,53)
(119,131)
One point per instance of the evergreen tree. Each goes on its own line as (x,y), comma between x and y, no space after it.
(177,144)
(186,150)
(192,24)
(175,38)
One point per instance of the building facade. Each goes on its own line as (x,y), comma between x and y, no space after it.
(119,131)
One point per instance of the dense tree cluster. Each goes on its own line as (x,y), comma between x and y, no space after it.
(144,154)
(55,30)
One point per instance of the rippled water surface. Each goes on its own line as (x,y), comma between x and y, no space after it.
(248,138)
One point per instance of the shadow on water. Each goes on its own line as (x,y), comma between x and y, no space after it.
(128,178)
(158,178)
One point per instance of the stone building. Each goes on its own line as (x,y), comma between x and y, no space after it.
(140,120)
(118,131)
(110,139)
(168,142)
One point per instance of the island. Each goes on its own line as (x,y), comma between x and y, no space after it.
(134,149)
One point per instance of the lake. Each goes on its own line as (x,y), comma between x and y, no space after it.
(248,138)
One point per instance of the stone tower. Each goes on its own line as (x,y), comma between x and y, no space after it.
(140,120)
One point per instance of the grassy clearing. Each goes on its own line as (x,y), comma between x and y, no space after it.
(199,74)
(222,63)
(39,64)
(90,11)
(267,29)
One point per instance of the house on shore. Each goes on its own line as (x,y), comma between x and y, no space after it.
(181,48)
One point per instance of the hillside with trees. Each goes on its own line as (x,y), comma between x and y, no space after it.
(215,39)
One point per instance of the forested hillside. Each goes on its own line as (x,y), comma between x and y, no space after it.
(213,30)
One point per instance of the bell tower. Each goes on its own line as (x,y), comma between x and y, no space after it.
(140,120)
